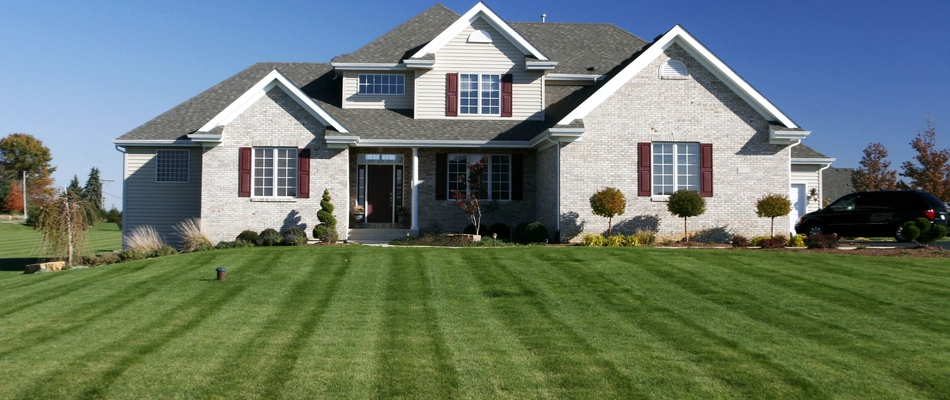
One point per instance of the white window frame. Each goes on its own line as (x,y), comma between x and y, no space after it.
(675,165)
(497,178)
(494,94)
(267,180)
(172,166)
(373,85)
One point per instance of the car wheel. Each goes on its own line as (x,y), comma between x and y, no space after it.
(815,229)
(899,234)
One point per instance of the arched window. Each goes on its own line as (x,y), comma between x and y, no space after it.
(479,36)
(674,69)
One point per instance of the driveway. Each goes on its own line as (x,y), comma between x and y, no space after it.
(943,244)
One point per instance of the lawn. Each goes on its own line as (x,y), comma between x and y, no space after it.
(528,322)
(21,245)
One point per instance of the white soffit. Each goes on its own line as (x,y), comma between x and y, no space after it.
(256,92)
(679,36)
(480,11)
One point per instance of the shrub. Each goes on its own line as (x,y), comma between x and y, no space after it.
(739,241)
(685,204)
(268,237)
(114,216)
(130,255)
(470,230)
(294,236)
(608,203)
(923,231)
(773,205)
(192,236)
(233,245)
(594,240)
(615,241)
(797,241)
(631,241)
(247,236)
(501,230)
(822,241)
(531,232)
(145,239)
(32,215)
(646,237)
(777,242)
(90,261)
(108,258)
(757,240)
(162,251)
(326,230)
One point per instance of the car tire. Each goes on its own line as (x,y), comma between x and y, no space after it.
(814,229)
(898,234)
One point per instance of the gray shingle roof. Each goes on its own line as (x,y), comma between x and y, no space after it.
(581,48)
(405,39)
(836,182)
(802,151)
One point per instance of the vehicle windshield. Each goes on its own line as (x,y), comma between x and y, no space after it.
(843,204)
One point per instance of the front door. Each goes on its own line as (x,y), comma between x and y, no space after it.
(379,194)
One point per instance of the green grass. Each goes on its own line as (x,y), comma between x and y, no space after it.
(526,322)
(21,245)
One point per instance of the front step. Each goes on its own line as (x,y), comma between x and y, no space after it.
(375,236)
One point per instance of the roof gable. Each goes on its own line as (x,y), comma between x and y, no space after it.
(679,36)
(272,80)
(480,11)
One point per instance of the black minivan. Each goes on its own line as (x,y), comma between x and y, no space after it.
(873,214)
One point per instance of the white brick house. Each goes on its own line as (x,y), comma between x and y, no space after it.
(562,110)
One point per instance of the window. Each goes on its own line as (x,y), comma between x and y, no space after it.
(480,94)
(675,167)
(275,172)
(674,69)
(171,166)
(494,183)
(382,84)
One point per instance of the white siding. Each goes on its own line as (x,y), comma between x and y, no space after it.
(808,174)
(162,205)
(499,57)
(352,99)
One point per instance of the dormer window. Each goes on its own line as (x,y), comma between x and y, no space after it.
(382,84)
(479,36)
(674,69)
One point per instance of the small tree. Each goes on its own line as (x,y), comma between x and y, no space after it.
(14,202)
(931,173)
(685,204)
(875,172)
(93,191)
(468,200)
(923,231)
(64,222)
(326,230)
(607,203)
(773,205)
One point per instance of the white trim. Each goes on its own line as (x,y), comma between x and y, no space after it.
(507,144)
(480,11)
(819,161)
(134,143)
(202,137)
(368,66)
(419,64)
(679,36)
(790,137)
(259,90)
(540,65)
(575,77)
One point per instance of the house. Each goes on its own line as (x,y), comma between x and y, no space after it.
(807,190)
(561,110)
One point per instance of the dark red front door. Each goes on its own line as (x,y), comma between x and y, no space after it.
(379,194)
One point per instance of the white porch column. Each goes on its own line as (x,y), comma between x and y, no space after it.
(415,191)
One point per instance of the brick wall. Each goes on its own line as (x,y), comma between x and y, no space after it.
(649,109)
(275,120)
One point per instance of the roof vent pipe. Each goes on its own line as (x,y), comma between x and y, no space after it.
(543,16)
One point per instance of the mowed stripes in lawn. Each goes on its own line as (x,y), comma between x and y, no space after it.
(357,322)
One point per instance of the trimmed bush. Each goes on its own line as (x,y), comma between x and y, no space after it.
(162,251)
(757,240)
(294,236)
(130,255)
(739,241)
(268,237)
(247,236)
(923,231)
(500,229)
(773,205)
(777,242)
(822,241)
(685,204)
(608,203)
(531,232)
(326,230)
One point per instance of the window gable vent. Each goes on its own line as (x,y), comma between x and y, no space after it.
(674,69)
(479,36)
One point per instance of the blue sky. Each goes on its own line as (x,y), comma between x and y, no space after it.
(79,74)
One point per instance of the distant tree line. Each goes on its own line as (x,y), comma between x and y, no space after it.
(929,171)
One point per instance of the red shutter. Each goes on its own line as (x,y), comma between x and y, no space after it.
(303,174)
(517,176)
(644,160)
(244,171)
(705,170)
(506,81)
(441,174)
(451,94)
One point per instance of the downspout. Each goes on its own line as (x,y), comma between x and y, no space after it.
(557,188)
(124,195)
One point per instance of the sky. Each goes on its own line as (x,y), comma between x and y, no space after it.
(78,74)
